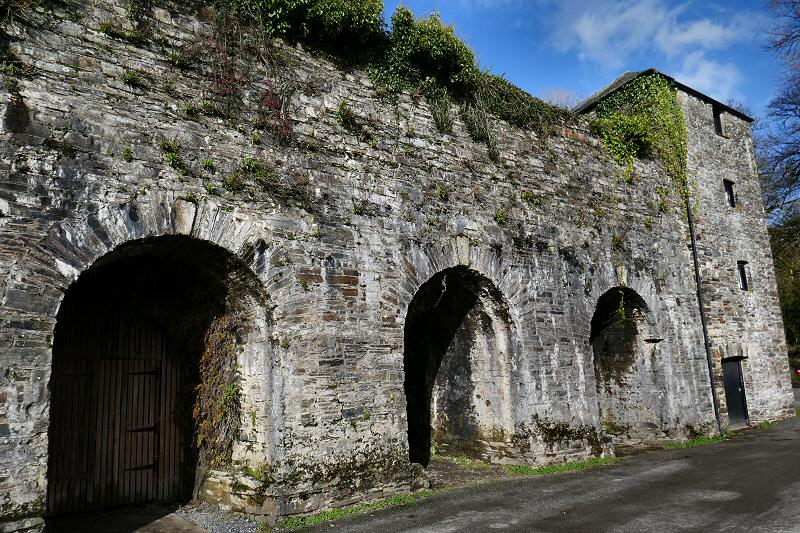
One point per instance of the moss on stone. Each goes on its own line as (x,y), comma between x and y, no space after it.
(10,512)
(553,432)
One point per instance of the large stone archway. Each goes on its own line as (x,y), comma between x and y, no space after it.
(459,346)
(629,368)
(151,370)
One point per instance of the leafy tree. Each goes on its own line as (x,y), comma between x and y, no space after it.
(779,148)
(778,154)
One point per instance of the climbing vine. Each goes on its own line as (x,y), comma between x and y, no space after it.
(643,119)
(217,408)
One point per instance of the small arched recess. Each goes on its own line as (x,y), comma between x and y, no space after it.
(628,368)
(460,347)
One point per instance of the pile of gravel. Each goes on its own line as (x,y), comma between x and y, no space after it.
(215,520)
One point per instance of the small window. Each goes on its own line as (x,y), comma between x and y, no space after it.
(717,120)
(743,284)
(729,196)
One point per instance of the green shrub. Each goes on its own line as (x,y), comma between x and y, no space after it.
(346,24)
(346,117)
(191,110)
(132,78)
(274,17)
(232,183)
(176,59)
(332,23)
(172,154)
(426,52)
(420,55)
(439,102)
(136,10)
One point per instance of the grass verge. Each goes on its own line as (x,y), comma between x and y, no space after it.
(698,441)
(341,512)
(525,470)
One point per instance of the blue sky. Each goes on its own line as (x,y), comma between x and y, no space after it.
(553,47)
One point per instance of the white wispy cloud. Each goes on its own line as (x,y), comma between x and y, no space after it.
(686,35)
(488,4)
(712,77)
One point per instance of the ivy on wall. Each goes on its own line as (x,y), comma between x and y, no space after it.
(644,119)
(217,409)
(419,55)
(425,56)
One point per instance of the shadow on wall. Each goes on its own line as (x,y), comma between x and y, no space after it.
(631,388)
(459,344)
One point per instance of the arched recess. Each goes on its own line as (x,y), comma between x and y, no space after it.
(631,390)
(149,373)
(460,343)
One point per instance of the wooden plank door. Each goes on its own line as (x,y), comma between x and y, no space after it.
(114,439)
(69,475)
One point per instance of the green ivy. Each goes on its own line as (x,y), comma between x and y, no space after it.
(642,119)
(217,407)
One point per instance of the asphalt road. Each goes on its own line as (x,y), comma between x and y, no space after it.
(750,483)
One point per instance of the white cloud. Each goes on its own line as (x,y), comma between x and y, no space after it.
(685,36)
(489,4)
(612,30)
(714,78)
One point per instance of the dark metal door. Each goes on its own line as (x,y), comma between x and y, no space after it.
(113,436)
(734,391)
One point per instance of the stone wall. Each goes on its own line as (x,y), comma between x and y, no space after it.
(342,228)
(744,324)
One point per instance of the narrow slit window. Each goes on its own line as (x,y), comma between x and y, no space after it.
(718,120)
(743,283)
(729,195)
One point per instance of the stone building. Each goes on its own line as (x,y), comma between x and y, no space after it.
(357,293)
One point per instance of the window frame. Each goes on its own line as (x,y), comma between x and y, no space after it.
(717,112)
(730,194)
(744,281)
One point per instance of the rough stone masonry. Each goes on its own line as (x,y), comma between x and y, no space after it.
(393,291)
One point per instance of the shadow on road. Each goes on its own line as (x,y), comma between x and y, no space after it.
(143,519)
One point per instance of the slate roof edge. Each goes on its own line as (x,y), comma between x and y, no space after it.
(591,102)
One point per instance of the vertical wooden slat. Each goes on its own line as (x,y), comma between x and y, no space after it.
(122,450)
(67,488)
(82,440)
(111,375)
(115,397)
